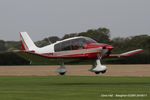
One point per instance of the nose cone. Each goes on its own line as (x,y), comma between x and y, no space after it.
(109,47)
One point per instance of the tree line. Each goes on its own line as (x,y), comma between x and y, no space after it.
(101,35)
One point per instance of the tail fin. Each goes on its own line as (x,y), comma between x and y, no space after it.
(26,42)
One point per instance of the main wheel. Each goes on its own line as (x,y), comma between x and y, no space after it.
(103,72)
(97,72)
(62,73)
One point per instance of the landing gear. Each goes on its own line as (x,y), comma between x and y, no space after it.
(98,67)
(62,70)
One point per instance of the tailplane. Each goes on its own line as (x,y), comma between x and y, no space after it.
(26,42)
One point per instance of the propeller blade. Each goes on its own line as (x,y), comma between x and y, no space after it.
(104,51)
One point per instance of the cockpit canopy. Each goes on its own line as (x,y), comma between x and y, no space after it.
(73,44)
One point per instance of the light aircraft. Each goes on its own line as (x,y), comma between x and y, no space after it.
(76,48)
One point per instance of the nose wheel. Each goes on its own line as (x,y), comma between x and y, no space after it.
(98,67)
(100,72)
(103,71)
(62,73)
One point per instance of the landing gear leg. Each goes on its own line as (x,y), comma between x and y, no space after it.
(62,70)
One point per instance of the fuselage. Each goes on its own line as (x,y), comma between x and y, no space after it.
(75,44)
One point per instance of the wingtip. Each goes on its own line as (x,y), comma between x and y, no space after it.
(140,50)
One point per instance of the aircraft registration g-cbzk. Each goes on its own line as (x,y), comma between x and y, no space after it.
(76,48)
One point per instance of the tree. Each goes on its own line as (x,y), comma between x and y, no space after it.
(100,35)
(47,41)
(2,46)
(69,35)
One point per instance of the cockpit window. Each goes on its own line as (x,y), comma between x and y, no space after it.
(89,40)
(73,44)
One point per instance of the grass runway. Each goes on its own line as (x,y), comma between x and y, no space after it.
(73,87)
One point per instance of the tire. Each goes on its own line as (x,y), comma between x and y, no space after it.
(97,72)
(103,72)
(62,73)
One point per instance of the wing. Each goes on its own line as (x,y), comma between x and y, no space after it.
(126,54)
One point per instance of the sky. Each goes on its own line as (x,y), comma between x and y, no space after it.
(44,18)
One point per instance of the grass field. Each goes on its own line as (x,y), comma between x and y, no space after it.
(73,87)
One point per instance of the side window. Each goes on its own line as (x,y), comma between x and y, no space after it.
(77,44)
(57,47)
(82,43)
(66,45)
(63,46)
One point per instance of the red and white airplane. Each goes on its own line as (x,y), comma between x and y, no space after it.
(76,48)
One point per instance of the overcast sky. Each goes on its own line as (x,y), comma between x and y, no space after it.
(43,18)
